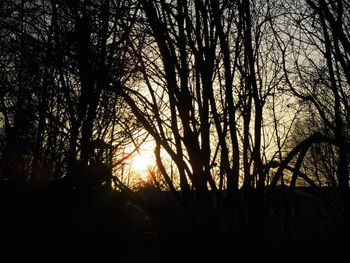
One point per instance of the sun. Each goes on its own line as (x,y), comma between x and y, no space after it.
(142,163)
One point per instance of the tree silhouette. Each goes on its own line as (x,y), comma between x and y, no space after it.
(242,102)
(322,82)
(209,84)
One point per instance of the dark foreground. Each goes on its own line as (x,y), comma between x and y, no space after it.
(55,225)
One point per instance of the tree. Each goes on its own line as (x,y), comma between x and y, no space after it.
(315,54)
(58,59)
(210,74)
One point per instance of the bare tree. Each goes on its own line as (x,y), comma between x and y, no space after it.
(58,59)
(315,54)
(210,72)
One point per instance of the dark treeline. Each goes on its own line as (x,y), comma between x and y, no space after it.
(246,105)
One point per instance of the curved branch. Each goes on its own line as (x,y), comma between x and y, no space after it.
(302,146)
(298,164)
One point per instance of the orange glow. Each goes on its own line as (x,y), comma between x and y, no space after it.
(142,163)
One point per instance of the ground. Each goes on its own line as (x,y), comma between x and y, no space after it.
(106,226)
